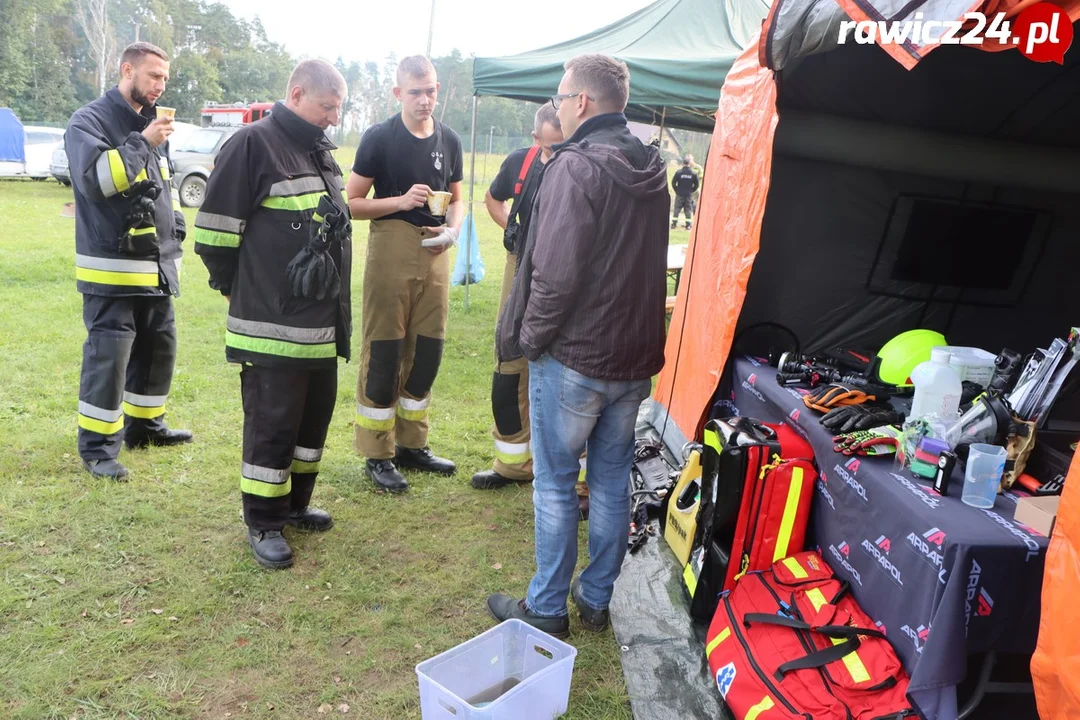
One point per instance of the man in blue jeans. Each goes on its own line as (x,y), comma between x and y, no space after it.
(587,310)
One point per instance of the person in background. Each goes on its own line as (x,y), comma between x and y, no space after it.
(517,180)
(587,310)
(407,159)
(274,234)
(128,235)
(700,172)
(685,184)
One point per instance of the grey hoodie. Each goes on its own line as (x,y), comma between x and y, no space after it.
(591,280)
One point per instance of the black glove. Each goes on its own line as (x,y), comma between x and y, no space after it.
(860,417)
(140,197)
(181,226)
(312,274)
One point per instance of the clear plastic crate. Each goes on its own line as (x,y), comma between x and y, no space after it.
(465,682)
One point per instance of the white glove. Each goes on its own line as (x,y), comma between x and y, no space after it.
(446,237)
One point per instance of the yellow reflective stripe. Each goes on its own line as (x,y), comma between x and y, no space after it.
(105,277)
(816,598)
(724,635)
(712,439)
(146,413)
(117,170)
(690,579)
(854,664)
(176,205)
(796,569)
(513,459)
(281,348)
(100,427)
(163,165)
(373,424)
(766,704)
(141,176)
(415,415)
(143,231)
(268,490)
(791,509)
(216,238)
(308,201)
(305,466)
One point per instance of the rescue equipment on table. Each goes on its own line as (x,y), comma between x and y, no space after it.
(312,274)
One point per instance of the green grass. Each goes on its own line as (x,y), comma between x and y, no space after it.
(142,600)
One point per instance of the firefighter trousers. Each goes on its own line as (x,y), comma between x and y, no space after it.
(510,403)
(683,205)
(287,413)
(127,369)
(406,298)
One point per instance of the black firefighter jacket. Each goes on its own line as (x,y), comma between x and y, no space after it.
(266,184)
(107,155)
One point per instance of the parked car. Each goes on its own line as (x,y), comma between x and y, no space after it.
(58,168)
(40,143)
(193,158)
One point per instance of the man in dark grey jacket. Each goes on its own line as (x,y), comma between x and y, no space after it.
(587,310)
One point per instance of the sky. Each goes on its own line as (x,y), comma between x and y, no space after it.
(370,29)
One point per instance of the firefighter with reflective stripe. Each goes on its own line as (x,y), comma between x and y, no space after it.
(685,183)
(128,232)
(275,235)
(407,159)
(510,382)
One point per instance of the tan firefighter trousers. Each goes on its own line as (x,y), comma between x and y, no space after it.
(510,403)
(406,295)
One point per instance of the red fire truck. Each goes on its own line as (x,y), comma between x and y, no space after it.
(234,115)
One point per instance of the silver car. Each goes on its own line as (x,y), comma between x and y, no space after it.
(193,157)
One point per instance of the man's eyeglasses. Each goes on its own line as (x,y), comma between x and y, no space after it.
(556,100)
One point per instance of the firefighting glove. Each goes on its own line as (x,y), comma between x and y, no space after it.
(140,214)
(880,441)
(312,274)
(860,417)
(181,226)
(827,397)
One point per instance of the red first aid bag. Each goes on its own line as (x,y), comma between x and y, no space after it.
(791,642)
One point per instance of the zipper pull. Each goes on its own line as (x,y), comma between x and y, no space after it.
(777,461)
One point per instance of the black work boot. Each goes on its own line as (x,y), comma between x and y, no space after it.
(592,619)
(503,607)
(311,519)
(489,480)
(386,476)
(107,468)
(136,437)
(423,459)
(270,548)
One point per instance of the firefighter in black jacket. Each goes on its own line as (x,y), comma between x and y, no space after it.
(128,230)
(685,184)
(275,234)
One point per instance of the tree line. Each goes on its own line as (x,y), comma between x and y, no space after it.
(57,55)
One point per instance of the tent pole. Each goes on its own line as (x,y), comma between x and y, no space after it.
(469,214)
(663,119)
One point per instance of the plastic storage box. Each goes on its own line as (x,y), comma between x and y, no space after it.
(511,672)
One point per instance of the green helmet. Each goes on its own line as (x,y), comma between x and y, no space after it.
(900,355)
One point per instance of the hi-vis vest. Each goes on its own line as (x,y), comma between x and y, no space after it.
(260,199)
(107,155)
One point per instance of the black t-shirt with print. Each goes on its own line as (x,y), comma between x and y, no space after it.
(502,187)
(397,160)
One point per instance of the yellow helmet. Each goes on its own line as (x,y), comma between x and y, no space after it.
(900,355)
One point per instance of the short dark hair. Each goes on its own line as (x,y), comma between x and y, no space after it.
(414,66)
(604,77)
(135,52)
(546,116)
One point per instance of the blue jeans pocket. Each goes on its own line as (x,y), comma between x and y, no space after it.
(580,394)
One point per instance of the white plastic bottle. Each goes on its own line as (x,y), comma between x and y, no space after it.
(937,387)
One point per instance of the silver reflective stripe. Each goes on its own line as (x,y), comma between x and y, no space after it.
(307,454)
(407,404)
(223,223)
(145,400)
(511,448)
(265,474)
(297,186)
(93,411)
(175,194)
(115,264)
(178,261)
(280,332)
(373,413)
(104,175)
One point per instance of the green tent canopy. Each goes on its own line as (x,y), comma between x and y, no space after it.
(678,51)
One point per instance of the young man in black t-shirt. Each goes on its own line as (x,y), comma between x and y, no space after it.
(410,159)
(510,383)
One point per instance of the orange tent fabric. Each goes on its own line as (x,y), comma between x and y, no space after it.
(724,242)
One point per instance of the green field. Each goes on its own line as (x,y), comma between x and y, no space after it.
(141,600)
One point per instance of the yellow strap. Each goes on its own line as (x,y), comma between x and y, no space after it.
(766,704)
(721,637)
(791,510)
(775,464)
(143,231)
(796,569)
